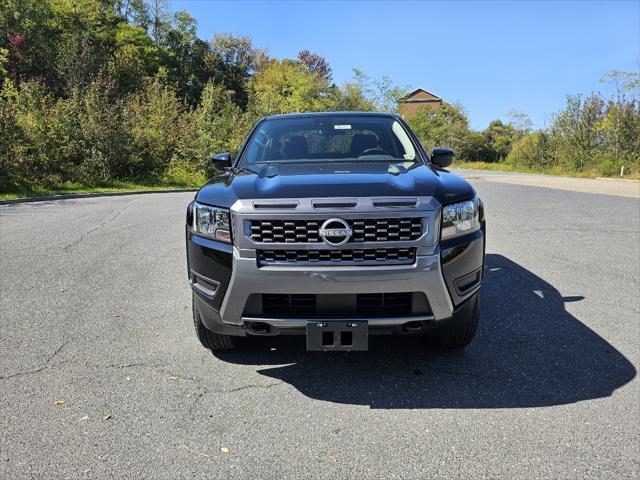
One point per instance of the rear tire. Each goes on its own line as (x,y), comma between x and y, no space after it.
(461,335)
(208,339)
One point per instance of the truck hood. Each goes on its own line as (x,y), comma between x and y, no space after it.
(317,180)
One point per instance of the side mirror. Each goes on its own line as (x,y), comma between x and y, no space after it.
(442,157)
(221,160)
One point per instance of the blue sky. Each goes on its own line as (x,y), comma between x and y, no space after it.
(488,56)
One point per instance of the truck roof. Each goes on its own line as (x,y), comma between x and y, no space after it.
(332,114)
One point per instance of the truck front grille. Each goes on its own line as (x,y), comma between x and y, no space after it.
(364,230)
(369,256)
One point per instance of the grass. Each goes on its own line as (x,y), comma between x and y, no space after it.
(25,190)
(555,171)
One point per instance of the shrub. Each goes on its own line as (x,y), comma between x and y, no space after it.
(160,126)
(532,151)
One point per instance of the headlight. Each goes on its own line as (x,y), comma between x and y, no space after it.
(212,222)
(460,219)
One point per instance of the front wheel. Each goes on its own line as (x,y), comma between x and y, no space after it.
(208,339)
(461,335)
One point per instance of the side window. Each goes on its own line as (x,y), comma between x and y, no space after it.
(409,153)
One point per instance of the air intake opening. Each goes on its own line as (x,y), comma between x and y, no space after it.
(334,204)
(336,305)
(395,203)
(283,206)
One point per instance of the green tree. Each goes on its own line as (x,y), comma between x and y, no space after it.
(232,61)
(187,57)
(11,134)
(107,136)
(350,98)
(575,130)
(285,87)
(135,58)
(161,128)
(499,137)
(382,93)
(30,39)
(445,126)
(532,151)
(220,123)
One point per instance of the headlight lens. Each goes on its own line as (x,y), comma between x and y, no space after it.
(212,222)
(460,219)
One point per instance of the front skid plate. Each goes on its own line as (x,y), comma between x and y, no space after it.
(338,336)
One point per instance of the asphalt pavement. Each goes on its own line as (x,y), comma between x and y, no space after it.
(101,375)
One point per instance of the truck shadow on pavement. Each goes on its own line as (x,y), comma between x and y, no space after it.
(529,352)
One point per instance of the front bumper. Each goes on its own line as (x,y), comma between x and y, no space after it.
(221,308)
(223,277)
(247,278)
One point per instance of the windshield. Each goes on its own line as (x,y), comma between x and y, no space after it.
(329,139)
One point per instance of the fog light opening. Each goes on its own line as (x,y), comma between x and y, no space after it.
(259,328)
(413,327)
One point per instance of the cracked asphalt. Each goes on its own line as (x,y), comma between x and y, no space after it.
(101,375)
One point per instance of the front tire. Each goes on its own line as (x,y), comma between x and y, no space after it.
(208,339)
(461,335)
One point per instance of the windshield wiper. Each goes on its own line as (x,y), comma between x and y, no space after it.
(243,169)
(267,170)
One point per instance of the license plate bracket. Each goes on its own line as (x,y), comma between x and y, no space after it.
(338,336)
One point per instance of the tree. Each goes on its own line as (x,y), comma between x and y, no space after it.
(220,123)
(624,82)
(314,64)
(159,125)
(286,87)
(159,17)
(382,93)
(135,12)
(499,138)
(621,124)
(187,55)
(448,126)
(350,98)
(532,151)
(135,58)
(232,61)
(440,127)
(30,39)
(4,63)
(574,129)
(519,121)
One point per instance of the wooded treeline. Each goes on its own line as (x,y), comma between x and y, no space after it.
(592,135)
(99,90)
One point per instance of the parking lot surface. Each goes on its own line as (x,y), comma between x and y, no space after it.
(101,375)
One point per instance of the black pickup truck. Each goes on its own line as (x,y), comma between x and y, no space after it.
(335,226)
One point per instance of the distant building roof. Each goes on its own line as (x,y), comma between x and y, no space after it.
(420,95)
(419,98)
